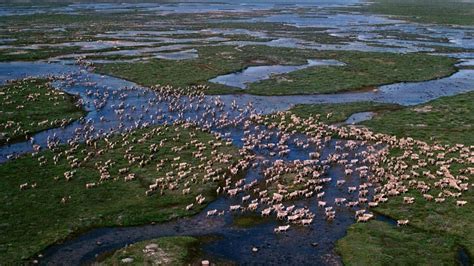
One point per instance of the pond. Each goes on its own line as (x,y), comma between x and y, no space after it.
(257,73)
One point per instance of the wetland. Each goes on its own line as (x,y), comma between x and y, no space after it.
(237,132)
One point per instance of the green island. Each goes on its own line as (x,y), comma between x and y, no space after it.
(179,250)
(362,70)
(455,12)
(32,105)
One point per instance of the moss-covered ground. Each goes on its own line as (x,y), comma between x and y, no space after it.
(362,70)
(54,202)
(436,232)
(161,251)
(455,12)
(29,106)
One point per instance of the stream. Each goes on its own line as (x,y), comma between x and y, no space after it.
(103,94)
(115,105)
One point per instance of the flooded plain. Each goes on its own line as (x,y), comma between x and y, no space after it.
(101,94)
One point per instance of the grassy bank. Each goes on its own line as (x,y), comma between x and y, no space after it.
(427,11)
(436,231)
(444,228)
(378,243)
(435,234)
(34,54)
(448,120)
(32,105)
(362,70)
(212,62)
(72,208)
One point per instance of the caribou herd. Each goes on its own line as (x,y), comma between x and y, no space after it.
(18,95)
(372,173)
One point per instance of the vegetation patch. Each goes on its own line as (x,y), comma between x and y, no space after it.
(378,243)
(249,220)
(32,105)
(427,11)
(148,175)
(34,54)
(362,69)
(161,251)
(439,217)
(447,120)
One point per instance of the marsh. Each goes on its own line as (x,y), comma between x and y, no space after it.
(237,132)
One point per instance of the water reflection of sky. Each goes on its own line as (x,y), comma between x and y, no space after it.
(177,7)
(363,27)
(362,32)
(258,73)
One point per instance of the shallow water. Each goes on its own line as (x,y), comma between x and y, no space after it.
(83,249)
(170,52)
(463,257)
(181,55)
(359,117)
(236,243)
(258,73)
(364,32)
(294,247)
(19,70)
(399,93)
(466,62)
(165,8)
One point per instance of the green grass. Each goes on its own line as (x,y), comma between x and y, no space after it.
(76,27)
(35,54)
(248,220)
(435,231)
(212,61)
(26,105)
(378,243)
(35,218)
(177,250)
(444,220)
(171,251)
(363,70)
(84,20)
(434,235)
(427,11)
(447,120)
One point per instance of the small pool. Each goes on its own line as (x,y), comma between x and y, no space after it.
(252,74)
